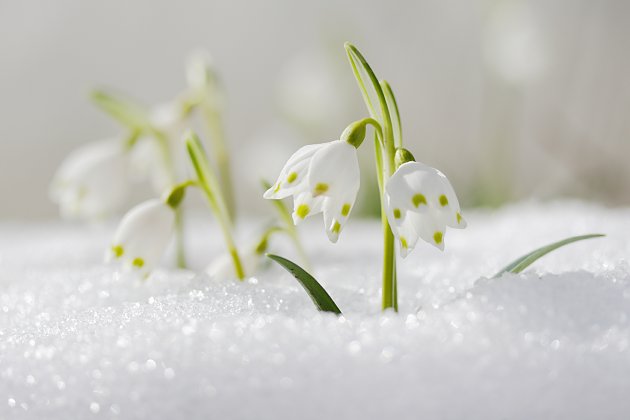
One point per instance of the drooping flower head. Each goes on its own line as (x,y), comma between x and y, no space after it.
(142,236)
(92,182)
(321,178)
(420,202)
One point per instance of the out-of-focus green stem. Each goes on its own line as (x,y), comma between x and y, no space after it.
(210,186)
(289,227)
(214,123)
(180,250)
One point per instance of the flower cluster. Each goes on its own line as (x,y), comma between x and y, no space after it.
(419,200)
(321,178)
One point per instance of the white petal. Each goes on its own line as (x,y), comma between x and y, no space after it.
(431,228)
(336,213)
(422,195)
(306,205)
(450,212)
(406,233)
(334,170)
(92,182)
(143,235)
(415,186)
(293,174)
(197,66)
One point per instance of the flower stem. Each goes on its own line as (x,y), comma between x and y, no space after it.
(289,227)
(385,155)
(179,239)
(210,186)
(214,124)
(180,251)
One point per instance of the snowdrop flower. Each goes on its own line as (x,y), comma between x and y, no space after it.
(420,202)
(92,181)
(143,235)
(321,178)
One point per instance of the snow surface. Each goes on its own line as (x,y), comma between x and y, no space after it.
(78,340)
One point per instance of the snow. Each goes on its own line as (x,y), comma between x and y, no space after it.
(80,340)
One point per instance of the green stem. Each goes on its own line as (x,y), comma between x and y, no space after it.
(216,132)
(385,166)
(179,239)
(289,227)
(180,251)
(210,186)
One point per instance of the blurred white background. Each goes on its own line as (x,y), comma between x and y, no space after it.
(511,99)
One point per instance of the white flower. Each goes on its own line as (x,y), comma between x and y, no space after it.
(142,236)
(223,267)
(420,202)
(92,181)
(320,177)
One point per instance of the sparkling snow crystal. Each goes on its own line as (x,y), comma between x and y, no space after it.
(79,340)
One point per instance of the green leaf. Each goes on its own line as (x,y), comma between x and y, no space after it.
(123,110)
(392,106)
(368,83)
(319,296)
(526,260)
(208,180)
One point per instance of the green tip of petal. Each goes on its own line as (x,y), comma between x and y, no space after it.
(118,251)
(320,189)
(443,200)
(418,199)
(345,210)
(403,243)
(302,211)
(397,214)
(292,177)
(459,217)
(438,237)
(336,227)
(138,262)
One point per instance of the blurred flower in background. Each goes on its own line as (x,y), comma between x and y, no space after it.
(513,99)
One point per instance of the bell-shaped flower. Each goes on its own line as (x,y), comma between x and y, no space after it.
(92,182)
(142,236)
(321,178)
(420,202)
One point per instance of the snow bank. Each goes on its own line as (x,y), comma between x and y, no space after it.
(80,340)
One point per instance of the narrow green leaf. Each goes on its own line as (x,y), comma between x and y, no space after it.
(124,110)
(526,260)
(392,106)
(319,296)
(368,83)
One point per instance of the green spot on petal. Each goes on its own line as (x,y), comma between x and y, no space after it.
(397,214)
(459,217)
(403,242)
(443,200)
(345,210)
(419,199)
(277,188)
(292,177)
(320,189)
(437,237)
(336,227)
(302,211)
(118,251)
(138,262)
